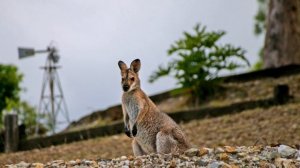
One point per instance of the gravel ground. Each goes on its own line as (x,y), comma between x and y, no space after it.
(220,157)
(275,125)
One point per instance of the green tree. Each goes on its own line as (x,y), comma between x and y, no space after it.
(10,88)
(198,60)
(260,17)
(260,29)
(10,79)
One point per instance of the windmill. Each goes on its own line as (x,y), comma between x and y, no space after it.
(52,102)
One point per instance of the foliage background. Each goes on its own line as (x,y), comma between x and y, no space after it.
(198,58)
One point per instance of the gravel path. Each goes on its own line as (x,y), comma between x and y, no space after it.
(281,156)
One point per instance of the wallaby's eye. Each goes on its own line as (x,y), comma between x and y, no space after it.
(123,79)
(132,79)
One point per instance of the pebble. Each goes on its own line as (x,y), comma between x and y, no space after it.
(256,149)
(270,155)
(22,164)
(38,165)
(219,150)
(242,155)
(126,162)
(201,163)
(72,162)
(123,158)
(203,151)
(138,162)
(172,164)
(221,157)
(282,162)
(286,151)
(191,152)
(230,149)
(214,164)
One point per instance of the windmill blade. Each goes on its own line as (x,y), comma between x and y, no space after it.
(25,52)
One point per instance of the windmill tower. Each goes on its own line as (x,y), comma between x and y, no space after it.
(52,102)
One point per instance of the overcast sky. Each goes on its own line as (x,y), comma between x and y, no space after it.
(93,35)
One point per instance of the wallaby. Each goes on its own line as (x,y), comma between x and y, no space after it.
(152,131)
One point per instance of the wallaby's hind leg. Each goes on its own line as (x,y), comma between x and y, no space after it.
(137,149)
(165,143)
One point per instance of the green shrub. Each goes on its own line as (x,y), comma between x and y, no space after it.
(198,59)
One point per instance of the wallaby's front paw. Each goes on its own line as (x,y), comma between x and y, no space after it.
(134,130)
(127,131)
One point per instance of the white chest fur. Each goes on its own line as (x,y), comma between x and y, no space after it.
(132,108)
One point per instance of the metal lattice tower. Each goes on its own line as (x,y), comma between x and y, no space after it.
(52,102)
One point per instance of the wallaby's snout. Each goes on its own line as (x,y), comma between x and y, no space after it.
(126,88)
(130,78)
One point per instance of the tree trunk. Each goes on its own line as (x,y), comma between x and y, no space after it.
(282,41)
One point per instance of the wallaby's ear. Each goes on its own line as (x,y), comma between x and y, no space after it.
(122,65)
(135,65)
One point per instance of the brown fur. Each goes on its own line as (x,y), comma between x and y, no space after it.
(155,131)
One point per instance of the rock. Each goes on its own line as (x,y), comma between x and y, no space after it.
(11,166)
(255,159)
(130,157)
(256,149)
(270,155)
(149,166)
(38,165)
(166,157)
(87,162)
(201,162)
(184,158)
(78,161)
(72,163)
(230,149)
(223,156)
(191,152)
(225,165)
(138,162)
(219,150)
(203,151)
(123,158)
(242,154)
(172,164)
(286,151)
(22,164)
(233,166)
(284,163)
(127,162)
(160,161)
(58,161)
(214,164)
(264,164)
(94,164)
